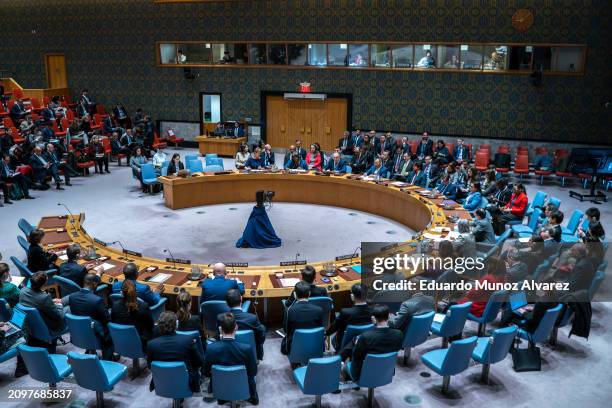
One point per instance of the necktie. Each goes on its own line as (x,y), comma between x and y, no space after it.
(414,178)
(43,161)
(344,144)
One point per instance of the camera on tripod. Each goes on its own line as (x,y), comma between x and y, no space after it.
(263,196)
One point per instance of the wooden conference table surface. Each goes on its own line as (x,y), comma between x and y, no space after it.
(223,146)
(401,203)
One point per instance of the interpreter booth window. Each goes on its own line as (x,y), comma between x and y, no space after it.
(257,54)
(448,56)
(297,54)
(277,54)
(471,56)
(382,56)
(167,53)
(520,58)
(425,56)
(495,57)
(229,53)
(317,55)
(194,53)
(542,58)
(359,55)
(337,54)
(402,56)
(567,59)
(211,105)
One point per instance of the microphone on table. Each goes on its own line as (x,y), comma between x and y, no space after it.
(354,254)
(69,212)
(172,256)
(116,242)
(295,265)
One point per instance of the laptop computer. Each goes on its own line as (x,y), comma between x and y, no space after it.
(518,303)
(16,322)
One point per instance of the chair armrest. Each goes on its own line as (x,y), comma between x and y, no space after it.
(246,305)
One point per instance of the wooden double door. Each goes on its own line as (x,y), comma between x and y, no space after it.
(321,121)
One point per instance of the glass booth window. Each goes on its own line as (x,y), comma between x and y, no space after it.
(425,55)
(211,104)
(167,53)
(257,54)
(297,54)
(277,54)
(317,55)
(471,56)
(495,57)
(337,54)
(520,58)
(542,58)
(359,55)
(448,56)
(229,53)
(402,56)
(195,53)
(382,56)
(567,59)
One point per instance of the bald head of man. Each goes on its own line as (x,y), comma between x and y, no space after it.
(219,269)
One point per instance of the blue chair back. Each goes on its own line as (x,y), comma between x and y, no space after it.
(247,337)
(39,364)
(602,266)
(493,305)
(457,359)
(171,379)
(190,157)
(126,340)
(165,164)
(213,168)
(22,268)
(81,332)
(214,161)
(453,323)
(546,325)
(597,280)
(210,310)
(538,200)
(211,155)
(540,269)
(353,331)
(484,202)
(574,221)
(230,383)
(307,344)
(322,375)
(377,370)
(585,224)
(504,236)
(348,169)
(25,226)
(148,171)
(534,218)
(418,329)
(326,303)
(88,371)
(194,334)
(66,285)
(34,324)
(499,344)
(23,244)
(555,201)
(5,310)
(164,171)
(195,166)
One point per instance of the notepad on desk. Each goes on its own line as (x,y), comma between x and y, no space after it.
(439,317)
(289,282)
(104,267)
(160,278)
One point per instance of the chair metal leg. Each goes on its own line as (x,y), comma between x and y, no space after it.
(552,340)
(135,367)
(176,403)
(234,404)
(318,401)
(444,342)
(445,384)
(99,399)
(562,181)
(484,377)
(370,397)
(407,355)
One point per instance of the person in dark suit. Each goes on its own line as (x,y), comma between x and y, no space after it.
(441,154)
(144,292)
(9,175)
(381,145)
(405,146)
(300,315)
(268,156)
(52,156)
(43,168)
(238,130)
(299,150)
(357,138)
(583,272)
(425,148)
(17,112)
(383,339)
(404,169)
(216,288)
(229,352)
(361,160)
(446,188)
(418,303)
(387,162)
(86,303)
(308,276)
(186,320)
(245,320)
(38,258)
(255,161)
(130,311)
(377,169)
(175,164)
(530,319)
(296,163)
(170,346)
(516,269)
(121,115)
(289,153)
(345,144)
(358,314)
(416,177)
(482,228)
(336,164)
(430,169)
(71,269)
(461,152)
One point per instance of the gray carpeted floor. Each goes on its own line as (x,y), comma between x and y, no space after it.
(576,373)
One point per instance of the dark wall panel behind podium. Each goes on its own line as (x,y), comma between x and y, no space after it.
(110,48)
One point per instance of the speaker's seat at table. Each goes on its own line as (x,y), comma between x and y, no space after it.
(171,381)
(96,375)
(451,361)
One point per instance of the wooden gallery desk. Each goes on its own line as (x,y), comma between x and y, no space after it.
(219,145)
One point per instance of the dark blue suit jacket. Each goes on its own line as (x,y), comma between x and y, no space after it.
(465,153)
(301,315)
(383,172)
(142,291)
(86,303)
(176,347)
(248,321)
(449,190)
(73,271)
(268,160)
(341,166)
(420,179)
(217,287)
(229,352)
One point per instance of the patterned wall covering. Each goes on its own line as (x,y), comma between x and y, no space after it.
(110,48)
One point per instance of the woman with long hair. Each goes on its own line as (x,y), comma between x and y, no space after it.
(314,158)
(8,290)
(187,321)
(38,258)
(129,311)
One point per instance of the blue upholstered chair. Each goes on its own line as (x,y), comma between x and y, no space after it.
(307,344)
(247,337)
(35,326)
(540,270)
(416,333)
(10,353)
(194,334)
(213,168)
(573,222)
(190,157)
(527,230)
(450,361)
(24,271)
(171,381)
(23,243)
(211,155)
(44,367)
(195,166)
(538,202)
(544,329)
(490,313)
(568,314)
(377,370)
(66,286)
(555,201)
(213,161)
(320,376)
(5,310)
(491,350)
(352,331)
(453,322)
(569,239)
(96,375)
(25,226)
(210,310)
(82,333)
(326,303)
(230,383)
(499,239)
(149,177)
(597,280)
(126,342)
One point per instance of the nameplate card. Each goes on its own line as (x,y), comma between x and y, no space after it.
(343,257)
(97,241)
(179,261)
(292,263)
(133,253)
(237,264)
(389,246)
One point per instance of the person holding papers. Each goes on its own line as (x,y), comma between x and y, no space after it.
(377,169)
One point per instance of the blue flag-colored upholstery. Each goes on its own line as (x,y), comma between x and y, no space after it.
(259,232)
